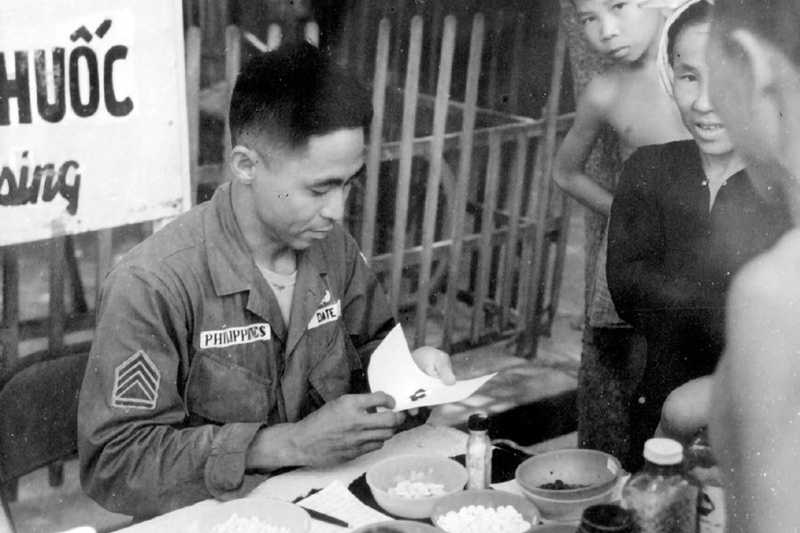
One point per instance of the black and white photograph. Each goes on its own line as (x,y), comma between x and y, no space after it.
(399,266)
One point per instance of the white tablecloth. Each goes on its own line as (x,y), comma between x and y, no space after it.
(426,439)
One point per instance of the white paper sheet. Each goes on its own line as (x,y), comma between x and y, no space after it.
(337,501)
(393,371)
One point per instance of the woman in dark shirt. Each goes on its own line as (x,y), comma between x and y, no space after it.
(685,218)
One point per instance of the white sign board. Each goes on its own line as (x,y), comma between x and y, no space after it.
(93,129)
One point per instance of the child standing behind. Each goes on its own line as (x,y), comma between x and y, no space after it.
(628,99)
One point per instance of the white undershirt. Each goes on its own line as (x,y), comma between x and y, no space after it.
(713,188)
(282,286)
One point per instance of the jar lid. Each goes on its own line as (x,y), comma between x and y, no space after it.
(478,422)
(663,451)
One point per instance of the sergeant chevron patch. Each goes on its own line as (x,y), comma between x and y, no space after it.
(136,383)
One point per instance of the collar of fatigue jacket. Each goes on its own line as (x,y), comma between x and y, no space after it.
(233,270)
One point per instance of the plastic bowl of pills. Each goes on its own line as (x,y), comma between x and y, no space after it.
(252,515)
(410,485)
(485,511)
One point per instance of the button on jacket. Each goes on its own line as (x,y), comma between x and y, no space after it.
(191,358)
(671,260)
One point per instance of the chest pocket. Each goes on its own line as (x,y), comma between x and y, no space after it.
(222,391)
(336,364)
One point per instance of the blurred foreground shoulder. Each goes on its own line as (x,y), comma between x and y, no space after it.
(763,306)
(770,282)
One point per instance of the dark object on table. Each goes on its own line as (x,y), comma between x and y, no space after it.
(322,517)
(606,518)
(537,421)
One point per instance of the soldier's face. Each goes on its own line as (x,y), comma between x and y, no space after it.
(300,195)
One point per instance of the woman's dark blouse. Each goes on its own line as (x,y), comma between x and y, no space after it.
(671,260)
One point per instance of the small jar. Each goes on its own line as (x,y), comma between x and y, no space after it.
(605,518)
(479,452)
(661,498)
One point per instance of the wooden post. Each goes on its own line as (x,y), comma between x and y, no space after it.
(9,334)
(406,154)
(193,44)
(436,158)
(434,33)
(397,50)
(233,58)
(487,230)
(213,17)
(55,331)
(464,172)
(494,60)
(360,54)
(344,54)
(376,138)
(75,282)
(511,261)
(189,17)
(526,272)
(517,58)
(540,214)
(104,259)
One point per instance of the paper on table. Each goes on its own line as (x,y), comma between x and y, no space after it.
(337,501)
(393,371)
(509,486)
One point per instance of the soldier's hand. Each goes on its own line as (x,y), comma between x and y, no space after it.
(346,428)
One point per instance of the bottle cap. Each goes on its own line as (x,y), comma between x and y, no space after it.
(663,451)
(478,422)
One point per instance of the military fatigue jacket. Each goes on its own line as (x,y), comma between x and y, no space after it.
(191,358)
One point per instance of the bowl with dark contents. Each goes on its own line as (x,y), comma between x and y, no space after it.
(566,510)
(568,474)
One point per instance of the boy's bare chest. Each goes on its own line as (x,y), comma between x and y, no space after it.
(643,116)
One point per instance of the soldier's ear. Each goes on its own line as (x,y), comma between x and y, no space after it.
(243,163)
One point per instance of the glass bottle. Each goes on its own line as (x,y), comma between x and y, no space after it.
(479,452)
(661,497)
(605,518)
(702,466)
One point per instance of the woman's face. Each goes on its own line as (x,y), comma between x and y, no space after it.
(690,86)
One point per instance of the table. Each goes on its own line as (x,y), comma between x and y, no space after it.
(425,439)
